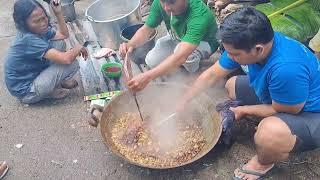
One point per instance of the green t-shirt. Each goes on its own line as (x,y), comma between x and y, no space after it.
(196,24)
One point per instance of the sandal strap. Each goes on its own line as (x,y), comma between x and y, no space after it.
(255,173)
(251,172)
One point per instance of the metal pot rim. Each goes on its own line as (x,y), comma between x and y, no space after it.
(106,141)
(150,39)
(107,21)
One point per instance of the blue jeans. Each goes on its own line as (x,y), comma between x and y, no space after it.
(50,78)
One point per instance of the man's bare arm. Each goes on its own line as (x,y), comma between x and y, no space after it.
(208,78)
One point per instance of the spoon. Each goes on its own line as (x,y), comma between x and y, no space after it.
(171,116)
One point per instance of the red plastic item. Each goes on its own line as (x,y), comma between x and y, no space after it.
(112,69)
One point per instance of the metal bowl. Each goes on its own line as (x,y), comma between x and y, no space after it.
(109,17)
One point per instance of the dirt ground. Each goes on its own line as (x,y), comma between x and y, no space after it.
(58,143)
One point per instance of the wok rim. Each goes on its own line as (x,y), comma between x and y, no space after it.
(114,151)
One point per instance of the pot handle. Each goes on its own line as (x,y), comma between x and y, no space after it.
(95,113)
(90,18)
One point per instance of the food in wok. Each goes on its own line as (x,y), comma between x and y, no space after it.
(143,143)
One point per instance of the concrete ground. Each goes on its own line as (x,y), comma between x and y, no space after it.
(58,143)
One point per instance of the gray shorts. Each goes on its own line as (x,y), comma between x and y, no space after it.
(306,125)
(165,46)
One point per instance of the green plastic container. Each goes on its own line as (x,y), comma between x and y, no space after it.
(111,69)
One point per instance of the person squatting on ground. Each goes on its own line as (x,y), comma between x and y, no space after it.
(37,65)
(282,86)
(191,28)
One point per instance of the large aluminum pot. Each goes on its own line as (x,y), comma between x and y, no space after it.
(161,96)
(109,17)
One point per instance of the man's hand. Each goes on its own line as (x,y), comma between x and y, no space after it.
(56,6)
(239,112)
(139,82)
(124,49)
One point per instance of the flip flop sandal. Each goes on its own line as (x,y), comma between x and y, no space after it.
(251,172)
(3,169)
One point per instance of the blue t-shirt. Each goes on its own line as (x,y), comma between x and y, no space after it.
(290,76)
(25,61)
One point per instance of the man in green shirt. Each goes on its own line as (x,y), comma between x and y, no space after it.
(191,33)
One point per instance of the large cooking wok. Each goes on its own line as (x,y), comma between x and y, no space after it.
(161,96)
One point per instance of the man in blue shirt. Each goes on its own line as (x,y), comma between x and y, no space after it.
(282,86)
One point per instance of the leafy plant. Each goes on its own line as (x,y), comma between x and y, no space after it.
(299,19)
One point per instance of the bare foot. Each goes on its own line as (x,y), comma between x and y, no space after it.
(252,170)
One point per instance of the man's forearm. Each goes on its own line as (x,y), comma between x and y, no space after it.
(62,25)
(261,110)
(207,79)
(204,81)
(74,52)
(67,57)
(140,37)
